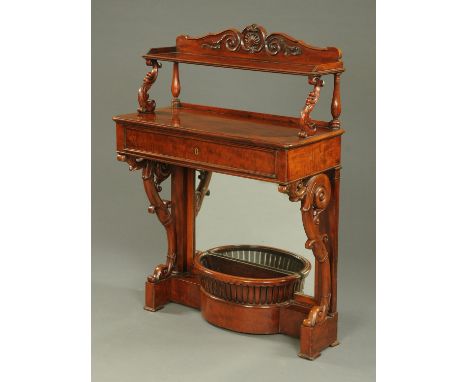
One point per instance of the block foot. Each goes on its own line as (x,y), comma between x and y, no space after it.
(157,294)
(309,357)
(316,338)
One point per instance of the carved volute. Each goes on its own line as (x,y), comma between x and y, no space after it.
(254,39)
(153,174)
(307,126)
(314,194)
(202,189)
(147,105)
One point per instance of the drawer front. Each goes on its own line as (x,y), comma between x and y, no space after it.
(311,159)
(227,157)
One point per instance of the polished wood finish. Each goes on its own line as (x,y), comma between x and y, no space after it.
(147,105)
(183,199)
(332,224)
(300,154)
(336,103)
(175,87)
(236,126)
(252,49)
(242,282)
(315,196)
(233,142)
(308,127)
(153,174)
(202,189)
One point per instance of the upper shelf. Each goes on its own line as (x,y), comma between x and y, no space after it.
(252,49)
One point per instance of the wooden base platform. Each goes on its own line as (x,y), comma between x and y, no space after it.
(287,318)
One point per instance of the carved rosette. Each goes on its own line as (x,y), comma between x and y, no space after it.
(254,39)
(147,105)
(308,128)
(153,174)
(314,194)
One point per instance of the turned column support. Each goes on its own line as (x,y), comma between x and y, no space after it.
(336,103)
(314,193)
(175,86)
(148,105)
(308,128)
(153,174)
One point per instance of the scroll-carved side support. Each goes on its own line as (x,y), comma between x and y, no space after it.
(202,189)
(314,194)
(336,103)
(147,105)
(308,128)
(153,174)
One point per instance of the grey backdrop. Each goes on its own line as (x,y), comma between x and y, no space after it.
(175,344)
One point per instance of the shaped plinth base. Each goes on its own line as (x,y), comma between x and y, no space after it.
(286,318)
(314,339)
(180,288)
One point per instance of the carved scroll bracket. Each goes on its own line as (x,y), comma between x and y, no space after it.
(308,128)
(314,194)
(153,174)
(147,105)
(202,189)
(133,163)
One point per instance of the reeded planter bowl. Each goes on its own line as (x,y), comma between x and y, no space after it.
(248,280)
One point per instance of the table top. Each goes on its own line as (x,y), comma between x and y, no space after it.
(229,125)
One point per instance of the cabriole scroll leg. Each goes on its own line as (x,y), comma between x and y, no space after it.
(319,329)
(158,284)
(157,288)
(153,174)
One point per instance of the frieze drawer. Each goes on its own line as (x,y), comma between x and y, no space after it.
(248,160)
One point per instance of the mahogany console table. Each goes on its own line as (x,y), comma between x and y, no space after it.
(250,289)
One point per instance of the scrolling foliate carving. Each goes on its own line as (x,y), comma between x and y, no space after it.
(254,39)
(307,126)
(153,174)
(133,163)
(314,194)
(147,105)
(202,189)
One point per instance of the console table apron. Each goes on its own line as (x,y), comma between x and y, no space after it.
(249,289)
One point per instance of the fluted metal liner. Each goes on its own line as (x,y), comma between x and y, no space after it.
(275,259)
(279,262)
